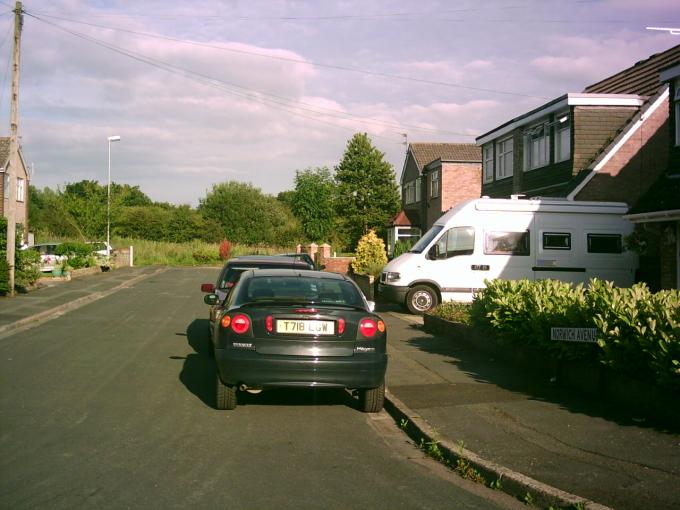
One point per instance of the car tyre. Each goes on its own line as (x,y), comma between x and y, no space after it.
(225,395)
(421,299)
(372,399)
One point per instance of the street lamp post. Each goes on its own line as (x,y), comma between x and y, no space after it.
(108,200)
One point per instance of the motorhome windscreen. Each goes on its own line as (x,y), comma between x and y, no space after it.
(424,241)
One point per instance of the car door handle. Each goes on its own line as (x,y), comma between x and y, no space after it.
(479,267)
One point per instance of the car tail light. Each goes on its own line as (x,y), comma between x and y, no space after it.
(341,326)
(226,321)
(240,323)
(306,310)
(381,326)
(368,327)
(269,323)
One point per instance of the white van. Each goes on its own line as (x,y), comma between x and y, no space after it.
(511,239)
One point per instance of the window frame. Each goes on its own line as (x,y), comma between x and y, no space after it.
(493,235)
(590,236)
(418,190)
(21,189)
(501,170)
(535,134)
(488,162)
(434,178)
(561,127)
(676,103)
(557,248)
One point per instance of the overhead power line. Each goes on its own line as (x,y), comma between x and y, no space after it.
(290,106)
(295,60)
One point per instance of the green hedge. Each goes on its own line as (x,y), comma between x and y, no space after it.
(79,254)
(638,331)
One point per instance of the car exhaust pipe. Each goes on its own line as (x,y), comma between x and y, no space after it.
(245,387)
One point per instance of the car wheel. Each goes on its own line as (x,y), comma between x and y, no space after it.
(225,395)
(372,399)
(421,299)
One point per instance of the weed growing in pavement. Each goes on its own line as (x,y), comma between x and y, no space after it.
(434,451)
(403,424)
(497,484)
(528,499)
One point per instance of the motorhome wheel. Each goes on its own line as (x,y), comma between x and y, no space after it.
(421,299)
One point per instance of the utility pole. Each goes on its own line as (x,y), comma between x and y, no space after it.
(13,165)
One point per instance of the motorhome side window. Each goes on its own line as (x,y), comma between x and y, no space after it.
(455,241)
(556,241)
(605,243)
(506,243)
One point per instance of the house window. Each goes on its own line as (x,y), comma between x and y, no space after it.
(556,241)
(506,243)
(562,137)
(536,147)
(488,163)
(504,158)
(20,189)
(5,186)
(605,243)
(418,189)
(409,192)
(434,184)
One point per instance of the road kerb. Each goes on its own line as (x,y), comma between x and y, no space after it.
(53,313)
(514,483)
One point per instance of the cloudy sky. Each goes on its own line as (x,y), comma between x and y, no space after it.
(253,90)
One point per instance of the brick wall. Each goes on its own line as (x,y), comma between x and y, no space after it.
(460,181)
(337,264)
(636,165)
(594,128)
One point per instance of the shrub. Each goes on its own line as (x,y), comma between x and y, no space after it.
(402,246)
(639,332)
(453,311)
(27,268)
(369,254)
(206,255)
(225,249)
(79,254)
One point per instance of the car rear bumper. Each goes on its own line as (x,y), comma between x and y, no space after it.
(252,369)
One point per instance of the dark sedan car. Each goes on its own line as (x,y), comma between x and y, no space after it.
(232,270)
(291,328)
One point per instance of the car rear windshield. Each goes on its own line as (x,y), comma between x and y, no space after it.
(299,289)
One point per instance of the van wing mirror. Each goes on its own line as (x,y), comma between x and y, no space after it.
(211,299)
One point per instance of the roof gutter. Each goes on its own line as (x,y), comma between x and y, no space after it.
(656,216)
(604,158)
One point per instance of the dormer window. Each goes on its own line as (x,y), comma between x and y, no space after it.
(536,146)
(562,137)
(487,162)
(504,158)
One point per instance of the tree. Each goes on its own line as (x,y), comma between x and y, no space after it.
(312,202)
(367,192)
(249,216)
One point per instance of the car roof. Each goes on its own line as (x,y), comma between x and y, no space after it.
(246,260)
(297,272)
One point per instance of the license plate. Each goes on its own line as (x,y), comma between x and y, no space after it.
(305,327)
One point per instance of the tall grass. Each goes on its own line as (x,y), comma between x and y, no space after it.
(194,253)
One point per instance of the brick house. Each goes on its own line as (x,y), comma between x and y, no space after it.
(435,177)
(22,186)
(605,143)
(657,213)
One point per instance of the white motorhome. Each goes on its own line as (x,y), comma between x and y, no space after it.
(511,239)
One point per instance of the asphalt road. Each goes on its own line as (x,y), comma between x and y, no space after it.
(111,406)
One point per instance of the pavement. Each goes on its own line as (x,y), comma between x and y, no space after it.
(523,435)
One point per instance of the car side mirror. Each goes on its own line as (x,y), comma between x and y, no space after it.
(371,305)
(208,287)
(211,299)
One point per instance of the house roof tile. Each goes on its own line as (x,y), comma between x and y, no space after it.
(425,153)
(642,78)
